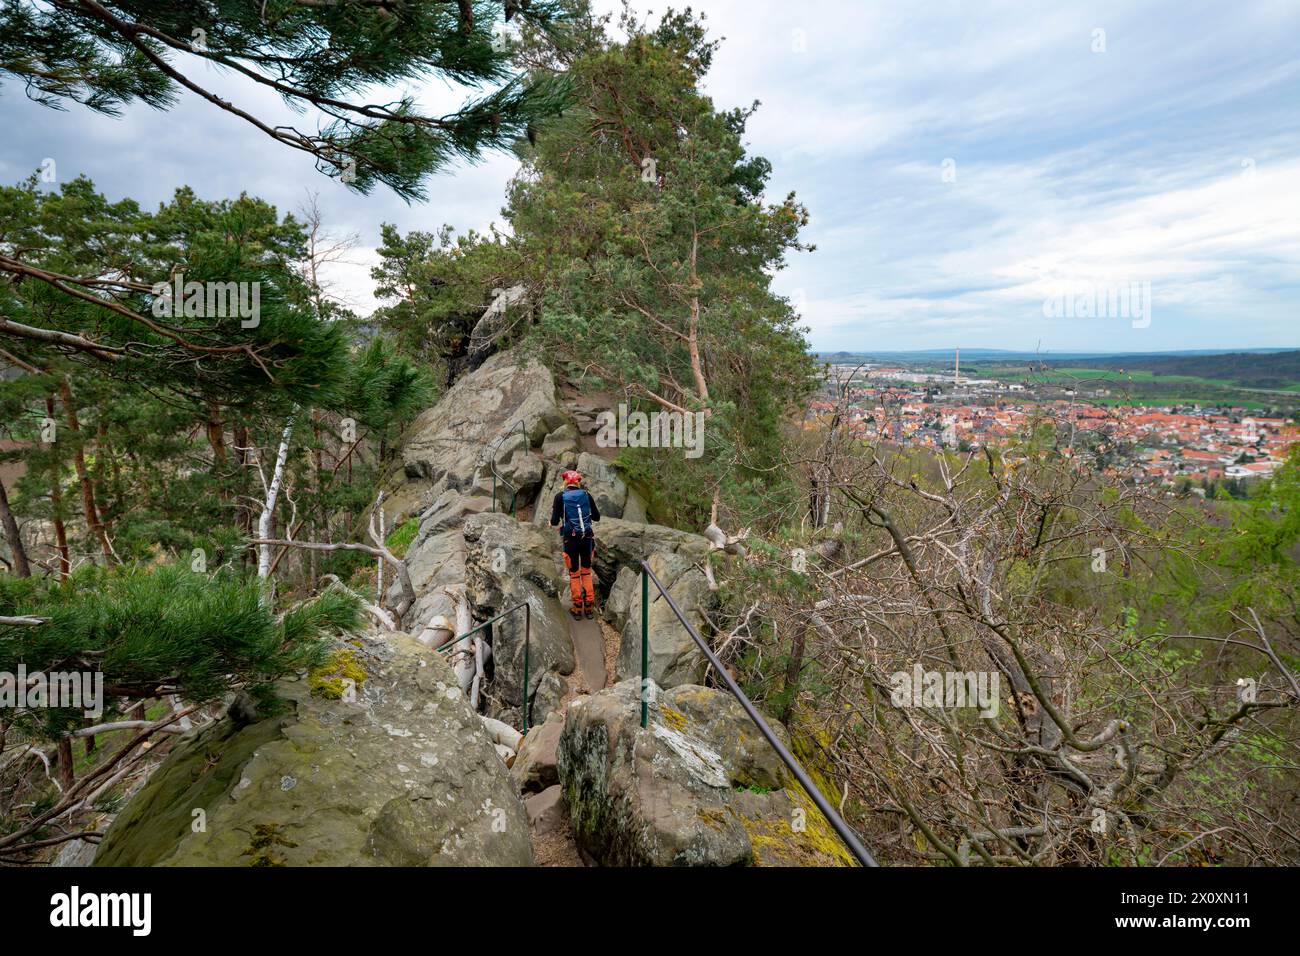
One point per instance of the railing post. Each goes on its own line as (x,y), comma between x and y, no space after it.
(528,628)
(645,647)
(494,491)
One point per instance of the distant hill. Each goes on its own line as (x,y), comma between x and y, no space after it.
(1247,369)
(1011,355)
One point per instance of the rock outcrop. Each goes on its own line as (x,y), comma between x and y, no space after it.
(673,657)
(445,448)
(435,559)
(700,786)
(625,543)
(495,322)
(692,815)
(404,773)
(508,563)
(499,562)
(399,774)
(535,768)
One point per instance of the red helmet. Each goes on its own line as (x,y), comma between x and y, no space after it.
(571,478)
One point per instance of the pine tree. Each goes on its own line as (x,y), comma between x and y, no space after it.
(322,56)
(645,220)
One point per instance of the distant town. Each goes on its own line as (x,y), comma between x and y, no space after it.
(1188,445)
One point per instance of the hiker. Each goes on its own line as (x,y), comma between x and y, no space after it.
(573,511)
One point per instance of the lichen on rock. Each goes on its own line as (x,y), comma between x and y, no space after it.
(404,775)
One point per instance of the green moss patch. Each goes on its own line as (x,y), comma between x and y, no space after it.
(330,679)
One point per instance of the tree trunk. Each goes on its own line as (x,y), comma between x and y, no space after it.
(61,534)
(243,514)
(83,474)
(21,568)
(272,494)
(693,337)
(793,668)
(56,501)
(67,779)
(217,438)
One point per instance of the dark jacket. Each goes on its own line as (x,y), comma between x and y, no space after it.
(557,509)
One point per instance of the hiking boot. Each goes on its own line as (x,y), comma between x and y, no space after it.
(576,613)
(589,613)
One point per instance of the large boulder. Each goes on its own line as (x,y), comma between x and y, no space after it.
(534,768)
(445,447)
(625,590)
(508,563)
(673,657)
(512,472)
(435,560)
(699,786)
(613,497)
(622,543)
(562,445)
(400,773)
(495,322)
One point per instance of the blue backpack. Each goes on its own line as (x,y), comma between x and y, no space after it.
(577,512)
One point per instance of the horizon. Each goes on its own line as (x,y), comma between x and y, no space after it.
(1079,352)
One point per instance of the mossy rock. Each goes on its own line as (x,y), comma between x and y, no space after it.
(403,775)
(700,786)
(330,680)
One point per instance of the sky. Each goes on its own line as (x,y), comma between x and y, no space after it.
(1031,175)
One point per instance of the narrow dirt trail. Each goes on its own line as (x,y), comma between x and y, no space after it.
(589,650)
(595,643)
(595,646)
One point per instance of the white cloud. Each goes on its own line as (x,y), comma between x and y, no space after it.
(1071,165)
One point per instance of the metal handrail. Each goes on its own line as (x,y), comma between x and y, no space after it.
(846,833)
(492,463)
(528,626)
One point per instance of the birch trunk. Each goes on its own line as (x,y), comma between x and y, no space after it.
(272,494)
(462,661)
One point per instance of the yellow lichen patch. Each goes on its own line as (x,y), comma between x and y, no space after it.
(810,744)
(804,838)
(713,817)
(330,680)
(674,718)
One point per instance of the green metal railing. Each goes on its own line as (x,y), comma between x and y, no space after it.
(845,832)
(528,626)
(492,463)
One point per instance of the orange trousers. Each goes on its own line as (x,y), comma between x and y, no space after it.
(578,555)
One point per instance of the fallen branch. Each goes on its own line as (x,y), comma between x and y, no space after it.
(462,662)
(499,732)
(379,614)
(90,783)
(719,540)
(408,589)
